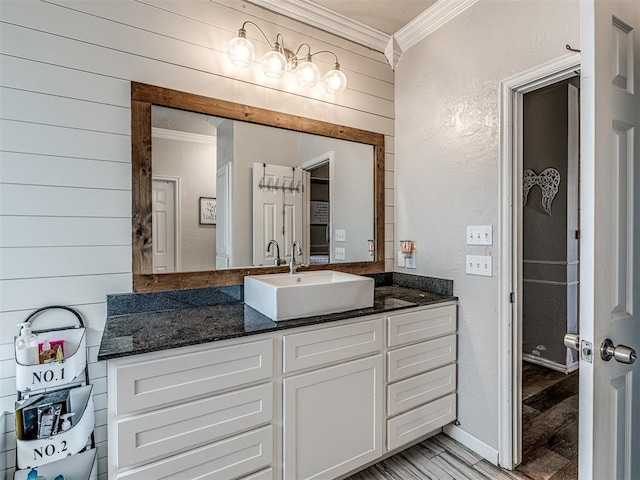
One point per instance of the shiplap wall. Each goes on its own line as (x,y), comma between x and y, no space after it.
(65,180)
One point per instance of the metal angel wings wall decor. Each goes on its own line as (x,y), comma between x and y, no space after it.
(548,180)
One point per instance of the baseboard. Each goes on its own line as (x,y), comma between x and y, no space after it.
(558,367)
(572,367)
(478,446)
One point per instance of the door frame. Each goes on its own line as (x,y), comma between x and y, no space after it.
(175,181)
(512,90)
(317,161)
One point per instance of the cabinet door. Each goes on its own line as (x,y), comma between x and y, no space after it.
(333,419)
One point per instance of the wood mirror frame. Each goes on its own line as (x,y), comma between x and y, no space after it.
(142,98)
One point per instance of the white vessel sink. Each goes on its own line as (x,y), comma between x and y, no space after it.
(284,296)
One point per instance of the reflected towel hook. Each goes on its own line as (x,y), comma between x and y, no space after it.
(568,47)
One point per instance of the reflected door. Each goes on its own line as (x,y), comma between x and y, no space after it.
(277,210)
(164,226)
(224,241)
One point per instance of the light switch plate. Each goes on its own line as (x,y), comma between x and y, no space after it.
(478,265)
(340,253)
(410,262)
(341,235)
(480,235)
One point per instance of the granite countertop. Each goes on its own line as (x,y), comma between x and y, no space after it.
(128,334)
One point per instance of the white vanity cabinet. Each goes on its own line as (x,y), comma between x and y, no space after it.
(314,402)
(193,412)
(421,373)
(333,415)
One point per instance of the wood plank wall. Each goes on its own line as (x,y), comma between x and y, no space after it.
(65,155)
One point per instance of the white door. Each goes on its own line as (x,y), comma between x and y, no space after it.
(277,210)
(610,222)
(164,226)
(224,226)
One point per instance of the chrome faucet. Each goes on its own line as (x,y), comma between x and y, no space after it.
(293,266)
(276,258)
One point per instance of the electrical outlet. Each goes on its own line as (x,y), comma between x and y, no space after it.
(478,265)
(340,253)
(482,235)
(341,235)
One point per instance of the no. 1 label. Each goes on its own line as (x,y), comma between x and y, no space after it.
(47,376)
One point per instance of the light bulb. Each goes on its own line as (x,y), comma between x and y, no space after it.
(240,50)
(274,64)
(307,73)
(335,82)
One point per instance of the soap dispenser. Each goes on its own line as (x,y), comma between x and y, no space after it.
(27,346)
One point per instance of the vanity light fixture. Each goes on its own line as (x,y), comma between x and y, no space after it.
(280,59)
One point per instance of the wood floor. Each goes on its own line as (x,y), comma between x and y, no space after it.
(550,424)
(550,440)
(437,458)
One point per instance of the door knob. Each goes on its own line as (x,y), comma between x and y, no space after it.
(621,353)
(572,341)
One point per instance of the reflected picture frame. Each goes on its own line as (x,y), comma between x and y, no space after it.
(208,211)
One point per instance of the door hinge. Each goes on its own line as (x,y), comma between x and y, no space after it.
(577,234)
(512,297)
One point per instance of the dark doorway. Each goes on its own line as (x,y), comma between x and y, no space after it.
(550,274)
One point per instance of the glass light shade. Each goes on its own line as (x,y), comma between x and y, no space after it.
(274,64)
(307,74)
(241,51)
(335,82)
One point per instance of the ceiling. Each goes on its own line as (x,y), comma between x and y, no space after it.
(387,16)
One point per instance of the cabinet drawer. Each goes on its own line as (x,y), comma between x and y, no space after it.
(329,345)
(147,437)
(413,424)
(268,474)
(420,325)
(227,459)
(408,361)
(167,380)
(415,391)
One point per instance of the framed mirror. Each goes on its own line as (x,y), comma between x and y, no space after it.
(222,205)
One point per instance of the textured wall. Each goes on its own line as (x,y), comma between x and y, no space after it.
(447,164)
(195,165)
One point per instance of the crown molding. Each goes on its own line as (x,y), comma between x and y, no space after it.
(393,52)
(391,45)
(182,136)
(430,20)
(321,17)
